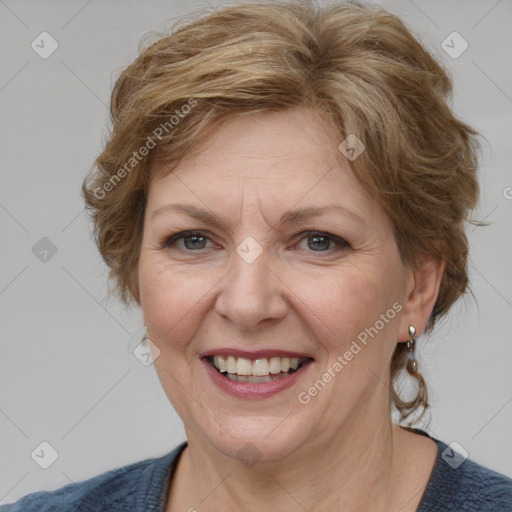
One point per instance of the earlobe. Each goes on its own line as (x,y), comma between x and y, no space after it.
(422,291)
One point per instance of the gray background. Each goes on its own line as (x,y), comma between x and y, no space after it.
(68,375)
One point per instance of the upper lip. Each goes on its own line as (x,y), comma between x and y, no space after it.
(253,354)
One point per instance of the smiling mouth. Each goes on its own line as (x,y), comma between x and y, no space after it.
(240,369)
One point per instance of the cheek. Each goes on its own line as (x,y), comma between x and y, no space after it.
(347,306)
(171,299)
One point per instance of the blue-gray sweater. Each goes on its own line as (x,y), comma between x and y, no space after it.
(143,486)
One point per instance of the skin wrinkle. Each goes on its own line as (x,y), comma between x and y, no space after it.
(340,450)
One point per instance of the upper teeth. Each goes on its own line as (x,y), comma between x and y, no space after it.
(258,367)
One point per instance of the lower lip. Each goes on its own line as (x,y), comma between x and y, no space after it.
(254,390)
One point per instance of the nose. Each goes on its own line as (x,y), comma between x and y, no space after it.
(251,293)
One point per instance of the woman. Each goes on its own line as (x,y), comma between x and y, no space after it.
(284,194)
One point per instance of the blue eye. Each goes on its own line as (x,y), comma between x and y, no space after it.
(320,241)
(196,240)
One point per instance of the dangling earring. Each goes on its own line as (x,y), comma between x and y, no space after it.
(412,364)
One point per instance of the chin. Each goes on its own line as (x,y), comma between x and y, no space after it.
(259,440)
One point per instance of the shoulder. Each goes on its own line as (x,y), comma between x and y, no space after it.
(137,486)
(460,484)
(485,488)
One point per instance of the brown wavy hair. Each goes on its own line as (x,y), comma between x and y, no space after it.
(358,65)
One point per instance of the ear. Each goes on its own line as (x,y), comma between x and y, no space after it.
(422,288)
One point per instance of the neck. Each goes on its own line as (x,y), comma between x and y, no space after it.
(353,470)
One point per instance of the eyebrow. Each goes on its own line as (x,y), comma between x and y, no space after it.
(291,217)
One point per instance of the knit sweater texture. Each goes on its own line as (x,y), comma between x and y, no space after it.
(455,484)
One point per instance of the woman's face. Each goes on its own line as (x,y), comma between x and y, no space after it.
(266,279)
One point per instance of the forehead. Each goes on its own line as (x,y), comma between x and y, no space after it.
(279,159)
(267,142)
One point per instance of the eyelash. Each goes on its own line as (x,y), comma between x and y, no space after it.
(168,242)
